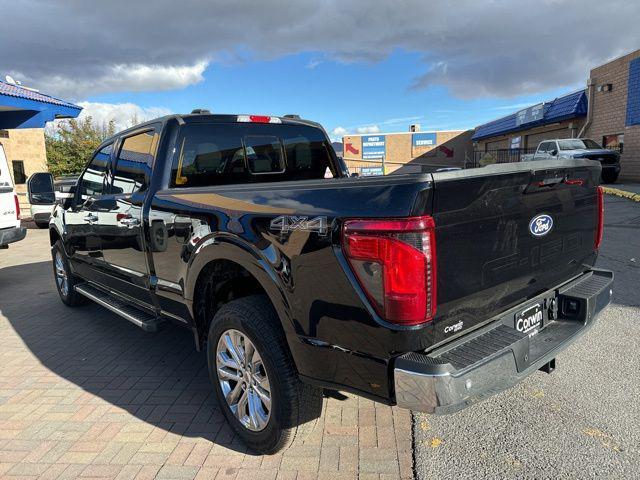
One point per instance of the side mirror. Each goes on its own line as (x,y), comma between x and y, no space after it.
(553,152)
(40,188)
(355,174)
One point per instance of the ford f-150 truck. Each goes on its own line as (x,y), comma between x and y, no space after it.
(565,148)
(428,291)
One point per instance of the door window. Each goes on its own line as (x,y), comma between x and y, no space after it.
(92,182)
(134,163)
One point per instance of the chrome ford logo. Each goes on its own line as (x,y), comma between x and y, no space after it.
(540,225)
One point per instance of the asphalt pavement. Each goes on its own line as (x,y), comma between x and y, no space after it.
(583,420)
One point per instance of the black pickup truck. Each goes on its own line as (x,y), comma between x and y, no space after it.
(430,292)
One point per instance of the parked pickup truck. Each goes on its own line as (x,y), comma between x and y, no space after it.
(561,149)
(429,291)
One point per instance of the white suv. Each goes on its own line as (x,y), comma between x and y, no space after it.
(10,230)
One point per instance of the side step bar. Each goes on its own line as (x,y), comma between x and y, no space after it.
(142,319)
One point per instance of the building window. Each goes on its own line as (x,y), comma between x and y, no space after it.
(4,134)
(18,172)
(614,142)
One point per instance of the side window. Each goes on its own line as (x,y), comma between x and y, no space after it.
(545,147)
(92,182)
(133,165)
(209,156)
(264,154)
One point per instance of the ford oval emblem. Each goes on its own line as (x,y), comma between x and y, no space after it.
(540,225)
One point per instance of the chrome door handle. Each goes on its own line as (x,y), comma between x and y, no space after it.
(91,218)
(130,221)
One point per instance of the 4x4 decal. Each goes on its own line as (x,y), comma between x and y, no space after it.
(286,223)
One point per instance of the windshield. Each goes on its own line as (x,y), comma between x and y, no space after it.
(578,144)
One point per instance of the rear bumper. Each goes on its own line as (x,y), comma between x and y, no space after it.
(497,357)
(10,235)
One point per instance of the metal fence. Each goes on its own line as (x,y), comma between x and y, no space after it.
(502,155)
(507,155)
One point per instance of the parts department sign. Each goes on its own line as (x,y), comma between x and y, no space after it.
(373,146)
(424,139)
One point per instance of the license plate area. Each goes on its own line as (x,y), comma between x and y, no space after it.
(530,320)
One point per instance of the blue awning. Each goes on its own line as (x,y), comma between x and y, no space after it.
(569,106)
(24,108)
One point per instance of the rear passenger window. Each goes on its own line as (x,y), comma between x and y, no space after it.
(133,165)
(227,153)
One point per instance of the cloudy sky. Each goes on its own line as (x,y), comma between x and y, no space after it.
(355,66)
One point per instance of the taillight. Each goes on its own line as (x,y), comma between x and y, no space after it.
(394,261)
(257,119)
(15,199)
(600,213)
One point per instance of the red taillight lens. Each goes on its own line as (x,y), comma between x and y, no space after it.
(15,199)
(395,263)
(600,213)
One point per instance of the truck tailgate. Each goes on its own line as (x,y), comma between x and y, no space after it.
(505,233)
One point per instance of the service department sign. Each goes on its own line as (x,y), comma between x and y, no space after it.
(424,139)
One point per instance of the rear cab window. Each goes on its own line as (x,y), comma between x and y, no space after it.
(227,153)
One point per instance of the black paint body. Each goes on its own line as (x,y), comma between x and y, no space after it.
(487,259)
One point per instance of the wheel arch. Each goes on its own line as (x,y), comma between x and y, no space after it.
(227,270)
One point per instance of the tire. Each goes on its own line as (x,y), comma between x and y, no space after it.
(294,406)
(609,177)
(61,271)
(42,224)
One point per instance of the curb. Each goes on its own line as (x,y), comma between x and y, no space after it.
(622,193)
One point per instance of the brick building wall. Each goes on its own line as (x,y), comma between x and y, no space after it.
(450,149)
(616,112)
(26,146)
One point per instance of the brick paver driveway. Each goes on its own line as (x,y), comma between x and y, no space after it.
(84,393)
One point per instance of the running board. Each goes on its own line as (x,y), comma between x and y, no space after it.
(142,319)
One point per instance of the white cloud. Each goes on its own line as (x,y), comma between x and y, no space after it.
(339,131)
(368,129)
(123,114)
(121,77)
(313,64)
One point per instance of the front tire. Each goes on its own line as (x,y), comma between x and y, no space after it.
(65,280)
(254,378)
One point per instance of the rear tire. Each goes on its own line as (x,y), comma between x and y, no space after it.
(64,279)
(609,177)
(293,407)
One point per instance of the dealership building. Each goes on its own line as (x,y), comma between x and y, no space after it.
(607,111)
(412,151)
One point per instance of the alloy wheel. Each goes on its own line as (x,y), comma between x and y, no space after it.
(61,274)
(243,380)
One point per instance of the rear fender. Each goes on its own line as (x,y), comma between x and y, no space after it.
(229,247)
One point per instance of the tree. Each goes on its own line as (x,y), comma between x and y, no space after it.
(71,143)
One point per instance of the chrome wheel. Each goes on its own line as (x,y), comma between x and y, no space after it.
(61,274)
(243,380)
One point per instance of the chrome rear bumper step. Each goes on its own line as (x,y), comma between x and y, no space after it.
(137,316)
